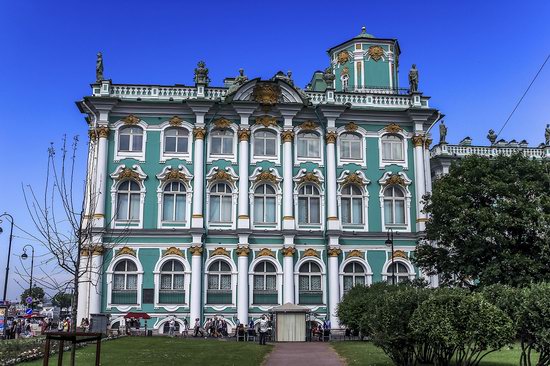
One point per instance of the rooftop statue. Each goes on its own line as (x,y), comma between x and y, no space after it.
(328,77)
(547,134)
(239,80)
(201,73)
(288,77)
(492,136)
(99,68)
(442,132)
(413,79)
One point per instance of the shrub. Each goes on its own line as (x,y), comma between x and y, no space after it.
(534,323)
(466,326)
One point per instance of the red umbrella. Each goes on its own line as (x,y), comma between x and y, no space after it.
(137,315)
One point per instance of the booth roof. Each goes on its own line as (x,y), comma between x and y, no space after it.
(290,308)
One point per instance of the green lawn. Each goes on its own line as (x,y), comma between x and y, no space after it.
(166,351)
(365,354)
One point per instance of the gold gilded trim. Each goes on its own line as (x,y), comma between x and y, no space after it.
(173,251)
(199,133)
(195,250)
(266,252)
(127,251)
(334,252)
(287,136)
(311,253)
(220,251)
(355,253)
(288,251)
(130,120)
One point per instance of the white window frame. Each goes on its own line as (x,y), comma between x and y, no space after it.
(138,155)
(320,160)
(186,280)
(188,197)
(361,261)
(110,278)
(257,158)
(297,266)
(164,156)
(298,184)
(409,216)
(278,201)
(386,275)
(235,195)
(405,137)
(362,133)
(230,157)
(233,272)
(114,195)
(364,191)
(278,272)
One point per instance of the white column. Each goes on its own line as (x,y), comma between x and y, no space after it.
(242,284)
(95,270)
(332,212)
(420,184)
(427,166)
(243,219)
(334,285)
(99,196)
(196,274)
(288,216)
(198,180)
(288,276)
(83,286)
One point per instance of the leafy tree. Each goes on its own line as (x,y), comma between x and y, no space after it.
(534,324)
(63,300)
(37,294)
(490,222)
(460,324)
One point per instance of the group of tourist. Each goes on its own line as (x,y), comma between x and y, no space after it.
(321,331)
(18,328)
(172,328)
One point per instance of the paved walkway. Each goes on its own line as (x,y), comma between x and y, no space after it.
(303,354)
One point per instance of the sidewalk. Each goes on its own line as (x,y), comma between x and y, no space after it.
(303,353)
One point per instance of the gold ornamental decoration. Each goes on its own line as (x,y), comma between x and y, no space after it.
(128,173)
(351,127)
(175,121)
(243,251)
(173,251)
(343,57)
(375,52)
(310,177)
(102,132)
(287,136)
(427,143)
(308,126)
(220,251)
(196,250)
(130,120)
(199,133)
(266,121)
(418,140)
(266,93)
(265,252)
(288,251)
(222,123)
(345,71)
(393,128)
(395,179)
(399,254)
(127,251)
(355,253)
(221,175)
(174,174)
(311,253)
(266,176)
(244,134)
(353,178)
(334,252)
(330,137)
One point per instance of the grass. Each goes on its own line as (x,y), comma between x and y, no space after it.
(366,354)
(166,351)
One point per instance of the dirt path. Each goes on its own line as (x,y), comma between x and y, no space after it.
(304,354)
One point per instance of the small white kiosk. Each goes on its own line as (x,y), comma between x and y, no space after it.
(289,322)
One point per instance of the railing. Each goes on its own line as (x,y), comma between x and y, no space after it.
(124,297)
(489,151)
(171,297)
(264,297)
(218,297)
(310,297)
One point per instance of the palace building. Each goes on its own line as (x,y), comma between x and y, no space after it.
(230,200)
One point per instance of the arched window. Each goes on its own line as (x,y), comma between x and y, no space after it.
(400,271)
(172,285)
(309,145)
(265,283)
(173,202)
(219,283)
(354,274)
(352,205)
(264,204)
(394,206)
(309,282)
(128,201)
(351,146)
(221,142)
(309,205)
(392,148)
(176,140)
(130,139)
(345,83)
(124,289)
(221,207)
(265,143)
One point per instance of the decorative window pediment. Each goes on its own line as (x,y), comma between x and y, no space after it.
(123,172)
(270,175)
(357,178)
(399,178)
(228,175)
(304,176)
(169,173)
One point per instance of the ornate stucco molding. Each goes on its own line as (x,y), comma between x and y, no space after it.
(355,253)
(304,176)
(330,137)
(418,140)
(269,175)
(228,175)
(169,173)
(244,134)
(196,250)
(393,128)
(222,123)
(122,172)
(351,127)
(375,53)
(288,251)
(266,93)
(308,126)
(287,136)
(400,254)
(175,121)
(334,252)
(357,178)
(220,251)
(199,133)
(173,251)
(243,251)
(266,121)
(265,252)
(311,253)
(131,120)
(126,251)
(399,178)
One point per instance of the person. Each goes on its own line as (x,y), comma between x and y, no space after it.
(171,326)
(413,79)
(185,331)
(66,325)
(326,329)
(240,332)
(197,328)
(263,328)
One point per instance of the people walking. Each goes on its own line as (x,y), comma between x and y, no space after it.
(185,332)
(171,326)
(263,328)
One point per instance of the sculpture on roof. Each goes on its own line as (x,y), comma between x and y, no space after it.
(99,68)
(288,77)
(328,77)
(201,73)
(492,136)
(413,79)
(547,134)
(239,80)
(442,133)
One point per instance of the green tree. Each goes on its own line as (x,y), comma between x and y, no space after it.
(37,294)
(534,324)
(489,223)
(63,300)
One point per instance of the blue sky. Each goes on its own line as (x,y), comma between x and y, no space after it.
(475,59)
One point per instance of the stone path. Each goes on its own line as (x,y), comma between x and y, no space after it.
(304,354)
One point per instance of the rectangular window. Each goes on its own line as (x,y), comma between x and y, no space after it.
(213,283)
(118,282)
(304,283)
(124,143)
(346,211)
(271,283)
(270,209)
(258,282)
(400,212)
(357,211)
(258,209)
(226,209)
(180,207)
(216,145)
(168,207)
(170,144)
(137,142)
(270,147)
(134,206)
(315,213)
(122,207)
(178,282)
(165,282)
(226,282)
(315,283)
(182,144)
(131,282)
(215,208)
(302,210)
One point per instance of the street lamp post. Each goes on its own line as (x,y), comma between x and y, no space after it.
(9,253)
(25,256)
(389,242)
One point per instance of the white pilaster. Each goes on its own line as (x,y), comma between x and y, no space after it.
(95,280)
(332,212)
(244,136)
(196,274)
(288,269)
(83,287)
(98,197)
(288,215)
(333,284)
(242,284)
(420,183)
(198,180)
